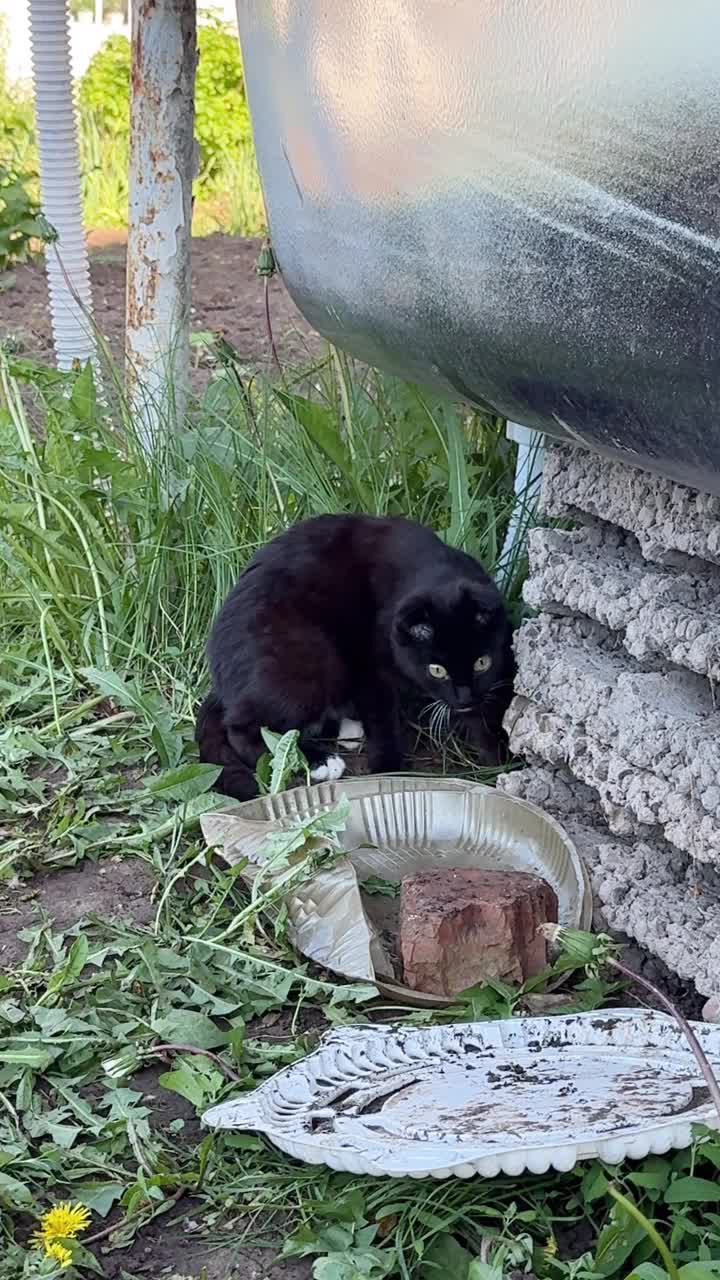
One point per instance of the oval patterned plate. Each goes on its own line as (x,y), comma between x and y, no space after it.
(487,1097)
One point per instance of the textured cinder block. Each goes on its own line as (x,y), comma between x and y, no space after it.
(554,788)
(664,721)
(665,517)
(630,798)
(615,707)
(644,889)
(643,892)
(599,571)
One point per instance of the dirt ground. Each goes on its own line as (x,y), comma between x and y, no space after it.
(227,297)
(165,1251)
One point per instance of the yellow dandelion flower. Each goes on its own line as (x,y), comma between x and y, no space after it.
(62,1222)
(59,1254)
(551,1247)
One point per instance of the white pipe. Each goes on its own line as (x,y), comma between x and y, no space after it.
(162,115)
(66,261)
(528,476)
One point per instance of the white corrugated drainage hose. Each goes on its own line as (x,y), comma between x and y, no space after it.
(528,475)
(66,261)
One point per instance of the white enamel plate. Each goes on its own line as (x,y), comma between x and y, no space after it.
(486,1097)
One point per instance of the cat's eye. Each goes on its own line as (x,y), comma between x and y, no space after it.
(483,664)
(437,672)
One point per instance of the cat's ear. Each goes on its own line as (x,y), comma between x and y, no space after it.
(413,620)
(484,603)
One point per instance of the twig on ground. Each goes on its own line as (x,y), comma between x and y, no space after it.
(123,1222)
(191,1048)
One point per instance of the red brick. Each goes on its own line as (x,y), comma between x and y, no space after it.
(459,927)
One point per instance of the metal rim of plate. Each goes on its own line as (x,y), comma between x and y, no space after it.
(513,1096)
(520,819)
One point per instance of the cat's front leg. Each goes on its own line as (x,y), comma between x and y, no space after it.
(378,710)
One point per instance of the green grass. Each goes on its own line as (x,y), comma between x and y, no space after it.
(119,560)
(112,565)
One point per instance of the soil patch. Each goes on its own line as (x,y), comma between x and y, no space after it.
(111,889)
(227,296)
(166,1252)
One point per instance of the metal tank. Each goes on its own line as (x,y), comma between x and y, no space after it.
(516,200)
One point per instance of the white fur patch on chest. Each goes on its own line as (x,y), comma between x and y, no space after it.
(350,735)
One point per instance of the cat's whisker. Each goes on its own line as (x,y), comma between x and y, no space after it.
(439,723)
(499,684)
(437,717)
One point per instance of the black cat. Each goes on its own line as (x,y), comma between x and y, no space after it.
(341,617)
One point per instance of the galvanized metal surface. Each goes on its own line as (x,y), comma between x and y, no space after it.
(485,1098)
(517,201)
(66,260)
(161,171)
(398,826)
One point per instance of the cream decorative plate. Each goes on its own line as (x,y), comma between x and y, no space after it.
(487,1097)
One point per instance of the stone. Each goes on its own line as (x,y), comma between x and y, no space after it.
(711,1009)
(461,926)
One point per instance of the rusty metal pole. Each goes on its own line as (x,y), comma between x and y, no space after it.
(162,116)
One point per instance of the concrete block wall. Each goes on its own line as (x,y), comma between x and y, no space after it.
(615,709)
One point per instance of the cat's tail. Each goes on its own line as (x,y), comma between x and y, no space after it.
(236,779)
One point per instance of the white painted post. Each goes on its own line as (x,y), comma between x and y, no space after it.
(528,476)
(66,261)
(162,116)
(99,10)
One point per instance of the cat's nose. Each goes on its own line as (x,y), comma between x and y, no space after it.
(464,696)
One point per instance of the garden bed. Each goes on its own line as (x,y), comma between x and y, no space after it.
(228,297)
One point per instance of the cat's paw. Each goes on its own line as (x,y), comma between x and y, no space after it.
(333,769)
(350,735)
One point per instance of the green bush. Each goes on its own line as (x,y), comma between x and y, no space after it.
(17,131)
(19,218)
(222,123)
(105,88)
